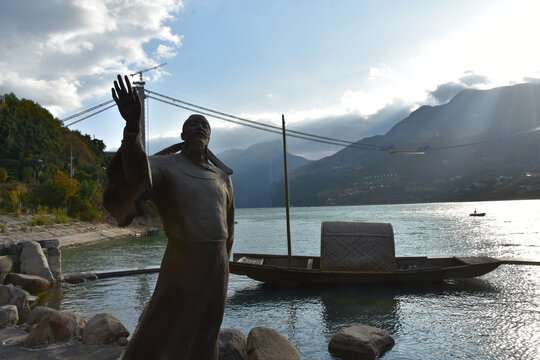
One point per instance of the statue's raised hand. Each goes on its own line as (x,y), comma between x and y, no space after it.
(128,102)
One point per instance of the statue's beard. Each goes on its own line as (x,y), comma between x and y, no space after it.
(196,150)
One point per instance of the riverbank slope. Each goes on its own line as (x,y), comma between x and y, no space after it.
(71,233)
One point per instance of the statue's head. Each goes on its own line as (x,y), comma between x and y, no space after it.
(196,129)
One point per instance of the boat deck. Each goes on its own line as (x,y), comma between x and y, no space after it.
(314,262)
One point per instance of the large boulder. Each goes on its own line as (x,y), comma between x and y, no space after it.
(266,344)
(34,262)
(38,313)
(59,326)
(103,329)
(10,295)
(9,316)
(5,267)
(232,345)
(32,283)
(360,342)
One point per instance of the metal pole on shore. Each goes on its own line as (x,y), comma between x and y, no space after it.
(286,192)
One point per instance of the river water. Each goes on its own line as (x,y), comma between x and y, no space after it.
(496,316)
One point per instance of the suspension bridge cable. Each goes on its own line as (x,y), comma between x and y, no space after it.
(86,117)
(86,111)
(259,127)
(498,138)
(376,147)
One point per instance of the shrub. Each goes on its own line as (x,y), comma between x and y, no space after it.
(40,220)
(60,216)
(3,175)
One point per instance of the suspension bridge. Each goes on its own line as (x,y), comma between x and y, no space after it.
(145,95)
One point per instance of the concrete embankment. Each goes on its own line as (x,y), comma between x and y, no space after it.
(15,229)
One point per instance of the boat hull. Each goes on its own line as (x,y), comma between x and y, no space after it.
(273,269)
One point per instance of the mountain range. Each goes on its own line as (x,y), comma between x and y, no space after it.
(255,169)
(481,145)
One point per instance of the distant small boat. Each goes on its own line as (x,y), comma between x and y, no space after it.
(477,214)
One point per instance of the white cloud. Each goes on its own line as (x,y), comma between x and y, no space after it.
(378,72)
(61,53)
(165,52)
(365,103)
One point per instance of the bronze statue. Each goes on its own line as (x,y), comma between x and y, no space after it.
(195,201)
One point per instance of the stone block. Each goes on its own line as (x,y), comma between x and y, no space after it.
(232,345)
(47,244)
(33,261)
(59,326)
(5,267)
(360,342)
(10,295)
(266,344)
(38,313)
(54,259)
(31,283)
(9,316)
(103,329)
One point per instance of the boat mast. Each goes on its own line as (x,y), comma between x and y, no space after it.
(289,258)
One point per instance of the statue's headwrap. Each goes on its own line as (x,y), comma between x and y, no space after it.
(210,155)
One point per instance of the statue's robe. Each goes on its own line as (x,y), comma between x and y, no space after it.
(183,317)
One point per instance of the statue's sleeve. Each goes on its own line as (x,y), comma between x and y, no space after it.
(230,216)
(130,180)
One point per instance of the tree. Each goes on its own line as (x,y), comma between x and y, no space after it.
(66,187)
(3,175)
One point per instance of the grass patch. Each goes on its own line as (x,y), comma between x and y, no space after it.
(40,220)
(60,216)
(43,217)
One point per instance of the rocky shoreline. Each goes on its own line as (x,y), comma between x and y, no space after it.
(18,230)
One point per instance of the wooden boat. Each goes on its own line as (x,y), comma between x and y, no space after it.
(274,269)
(360,253)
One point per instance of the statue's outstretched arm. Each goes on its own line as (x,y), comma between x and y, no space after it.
(128,171)
(128,103)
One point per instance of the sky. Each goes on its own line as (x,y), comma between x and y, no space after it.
(346,69)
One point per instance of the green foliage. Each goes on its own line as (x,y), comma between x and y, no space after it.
(40,220)
(60,216)
(86,202)
(3,175)
(83,209)
(39,151)
(16,197)
(43,217)
(32,140)
(66,187)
